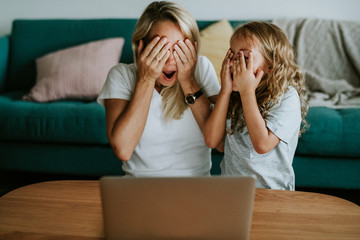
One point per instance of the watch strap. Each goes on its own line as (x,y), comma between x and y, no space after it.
(198,93)
(191,98)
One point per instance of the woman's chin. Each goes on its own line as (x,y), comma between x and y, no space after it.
(167,82)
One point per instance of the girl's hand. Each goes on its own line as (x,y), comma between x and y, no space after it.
(225,74)
(243,74)
(152,60)
(185,54)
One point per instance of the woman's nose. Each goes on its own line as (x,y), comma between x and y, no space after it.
(171,60)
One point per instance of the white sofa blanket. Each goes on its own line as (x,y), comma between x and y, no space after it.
(328,52)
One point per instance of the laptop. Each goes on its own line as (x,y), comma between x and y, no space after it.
(177,208)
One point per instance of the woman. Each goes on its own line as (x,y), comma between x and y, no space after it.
(156,108)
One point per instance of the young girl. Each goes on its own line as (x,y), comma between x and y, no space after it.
(256,119)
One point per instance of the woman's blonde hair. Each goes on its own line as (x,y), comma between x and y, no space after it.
(172,96)
(279,55)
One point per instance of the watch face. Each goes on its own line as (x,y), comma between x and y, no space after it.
(190,99)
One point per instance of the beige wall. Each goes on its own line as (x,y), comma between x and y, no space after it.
(201,9)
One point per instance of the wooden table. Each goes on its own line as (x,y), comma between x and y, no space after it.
(72,210)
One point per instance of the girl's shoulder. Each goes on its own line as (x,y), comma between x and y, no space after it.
(288,98)
(290,93)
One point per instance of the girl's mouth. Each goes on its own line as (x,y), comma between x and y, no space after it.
(169,75)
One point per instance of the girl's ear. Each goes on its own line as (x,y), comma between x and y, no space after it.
(269,68)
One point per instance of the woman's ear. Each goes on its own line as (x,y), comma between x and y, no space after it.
(140,47)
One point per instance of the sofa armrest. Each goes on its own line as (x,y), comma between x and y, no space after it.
(4,57)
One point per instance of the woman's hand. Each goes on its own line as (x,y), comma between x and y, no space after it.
(152,60)
(225,74)
(185,54)
(243,74)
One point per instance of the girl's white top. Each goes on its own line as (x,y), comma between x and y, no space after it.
(273,169)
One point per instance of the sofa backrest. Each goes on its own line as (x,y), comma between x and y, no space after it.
(31,39)
(4,54)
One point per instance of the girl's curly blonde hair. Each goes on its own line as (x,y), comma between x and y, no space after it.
(284,72)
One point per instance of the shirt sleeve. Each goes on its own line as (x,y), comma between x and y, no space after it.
(206,76)
(119,84)
(284,118)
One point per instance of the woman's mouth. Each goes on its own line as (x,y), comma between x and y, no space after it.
(168,75)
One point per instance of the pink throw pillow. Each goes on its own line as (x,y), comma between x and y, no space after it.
(75,73)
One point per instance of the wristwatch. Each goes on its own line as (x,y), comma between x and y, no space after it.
(191,98)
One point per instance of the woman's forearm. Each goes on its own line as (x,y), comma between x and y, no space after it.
(201,107)
(126,125)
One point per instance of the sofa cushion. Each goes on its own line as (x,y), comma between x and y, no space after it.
(77,72)
(31,39)
(215,41)
(332,132)
(61,121)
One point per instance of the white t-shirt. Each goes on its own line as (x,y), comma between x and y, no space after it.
(273,169)
(172,148)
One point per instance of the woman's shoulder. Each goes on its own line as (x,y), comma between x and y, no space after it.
(123,72)
(124,68)
(206,76)
(204,67)
(203,60)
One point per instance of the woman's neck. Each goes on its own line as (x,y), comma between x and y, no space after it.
(158,87)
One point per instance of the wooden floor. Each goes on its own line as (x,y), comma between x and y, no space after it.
(11,180)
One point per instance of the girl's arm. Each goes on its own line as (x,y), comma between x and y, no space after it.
(216,123)
(261,137)
(125,120)
(246,82)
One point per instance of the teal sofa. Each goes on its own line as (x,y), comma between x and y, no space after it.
(69,137)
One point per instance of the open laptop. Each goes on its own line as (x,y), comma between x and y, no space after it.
(177,208)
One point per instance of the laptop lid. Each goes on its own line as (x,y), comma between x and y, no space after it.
(177,208)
